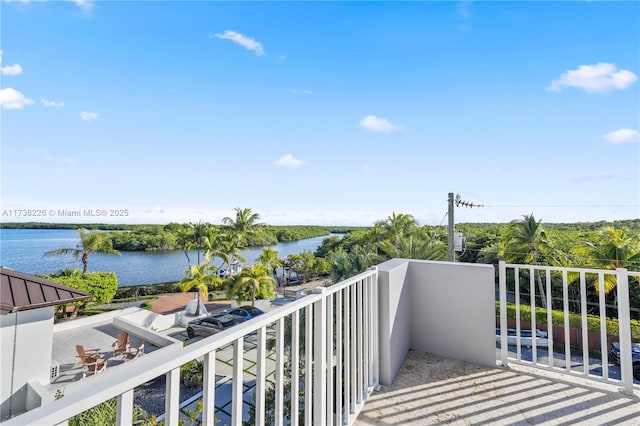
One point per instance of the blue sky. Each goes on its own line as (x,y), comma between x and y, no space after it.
(320,113)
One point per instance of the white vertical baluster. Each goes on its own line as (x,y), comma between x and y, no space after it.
(532,286)
(352,351)
(516,278)
(261,372)
(237,388)
(367,334)
(279,402)
(330,358)
(603,327)
(209,389)
(359,336)
(624,323)
(549,321)
(585,330)
(346,322)
(308,370)
(295,365)
(339,351)
(502,280)
(124,410)
(567,331)
(172,398)
(320,358)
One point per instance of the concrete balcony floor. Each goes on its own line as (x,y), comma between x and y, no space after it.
(433,390)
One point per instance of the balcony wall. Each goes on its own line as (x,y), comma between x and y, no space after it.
(442,308)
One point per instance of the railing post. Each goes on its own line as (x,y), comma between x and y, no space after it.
(172,398)
(124,410)
(209,391)
(502,279)
(320,359)
(624,322)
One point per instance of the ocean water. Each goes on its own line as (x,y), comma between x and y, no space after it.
(23,250)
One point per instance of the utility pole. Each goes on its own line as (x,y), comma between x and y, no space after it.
(450,229)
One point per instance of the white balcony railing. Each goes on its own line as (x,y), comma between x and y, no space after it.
(515,277)
(339,369)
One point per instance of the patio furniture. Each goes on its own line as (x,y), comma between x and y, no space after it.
(134,352)
(92,361)
(121,345)
(87,355)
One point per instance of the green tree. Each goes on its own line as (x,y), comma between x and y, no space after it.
(616,248)
(203,277)
(252,281)
(244,225)
(270,258)
(90,242)
(525,241)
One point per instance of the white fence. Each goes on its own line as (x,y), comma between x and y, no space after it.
(541,281)
(339,364)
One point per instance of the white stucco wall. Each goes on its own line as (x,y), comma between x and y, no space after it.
(31,360)
(453,310)
(442,308)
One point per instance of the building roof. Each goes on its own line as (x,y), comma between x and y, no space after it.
(19,292)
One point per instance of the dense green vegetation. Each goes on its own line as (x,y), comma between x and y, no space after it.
(102,285)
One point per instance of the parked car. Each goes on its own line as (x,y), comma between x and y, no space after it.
(206,326)
(526,337)
(614,356)
(245,313)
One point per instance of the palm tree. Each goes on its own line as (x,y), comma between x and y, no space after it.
(201,276)
(616,249)
(244,225)
(253,280)
(90,242)
(270,258)
(526,241)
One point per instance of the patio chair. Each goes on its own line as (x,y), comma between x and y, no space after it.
(94,367)
(134,352)
(87,355)
(121,345)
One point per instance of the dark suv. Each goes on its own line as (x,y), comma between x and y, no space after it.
(614,356)
(207,326)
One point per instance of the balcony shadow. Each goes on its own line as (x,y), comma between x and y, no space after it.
(433,390)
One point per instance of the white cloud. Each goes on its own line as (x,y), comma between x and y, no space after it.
(244,41)
(377,124)
(288,160)
(599,78)
(623,136)
(301,92)
(11,70)
(51,104)
(282,57)
(88,115)
(12,99)
(85,5)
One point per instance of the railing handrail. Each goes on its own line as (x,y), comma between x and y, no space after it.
(566,268)
(123,378)
(103,387)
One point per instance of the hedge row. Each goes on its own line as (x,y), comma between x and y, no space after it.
(575,320)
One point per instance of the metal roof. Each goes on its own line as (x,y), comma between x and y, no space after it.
(19,292)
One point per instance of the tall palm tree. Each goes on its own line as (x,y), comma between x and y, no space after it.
(616,249)
(526,241)
(244,225)
(271,258)
(201,276)
(90,242)
(253,280)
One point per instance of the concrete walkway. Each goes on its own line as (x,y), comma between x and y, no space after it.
(431,390)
